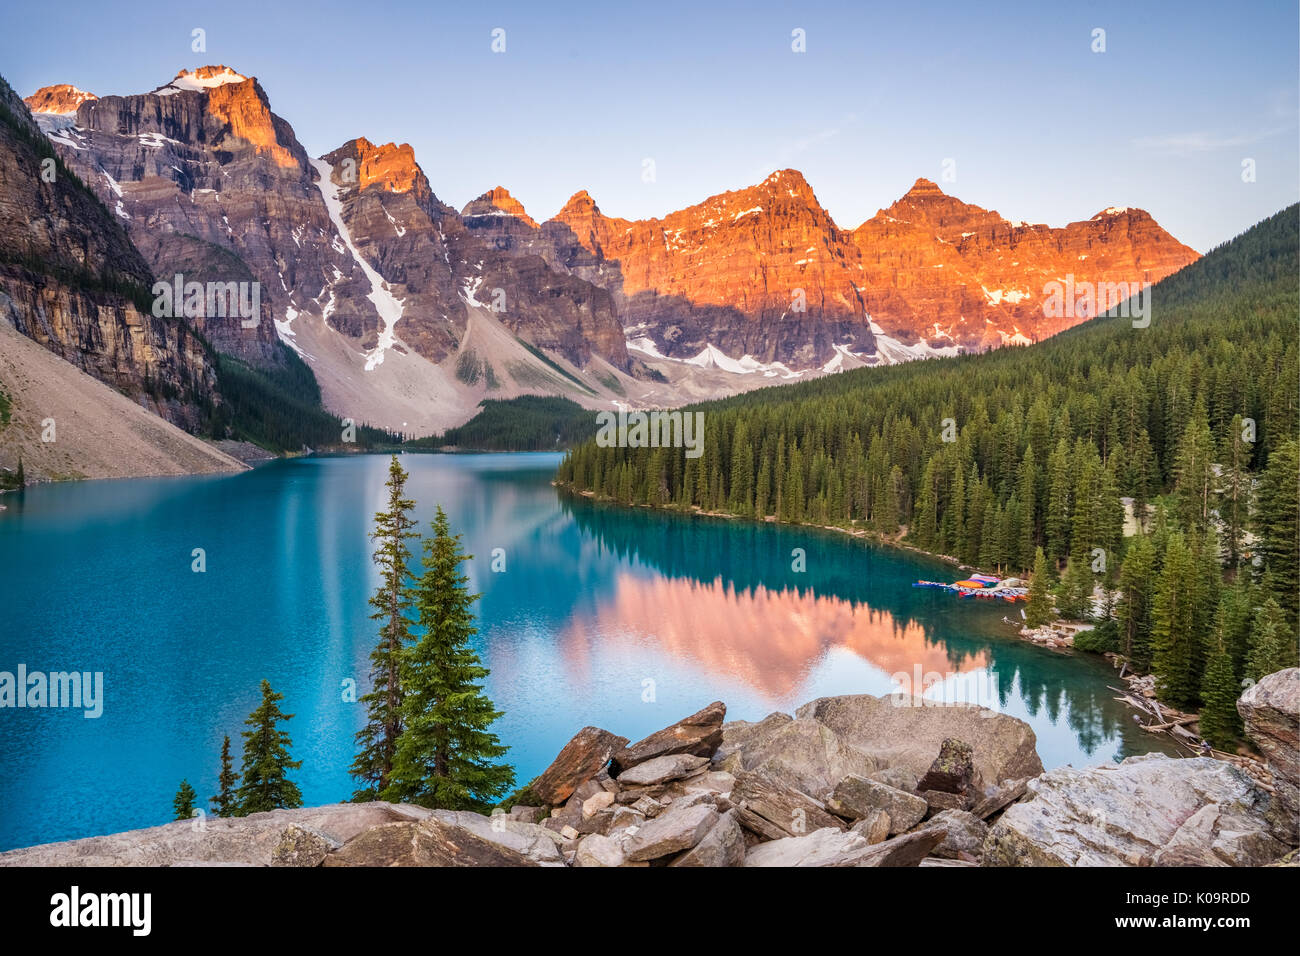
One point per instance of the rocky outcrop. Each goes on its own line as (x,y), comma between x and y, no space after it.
(676,807)
(906,732)
(1270,711)
(581,759)
(698,735)
(1149,810)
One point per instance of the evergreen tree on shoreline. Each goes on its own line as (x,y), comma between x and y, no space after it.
(378,738)
(183,803)
(446,755)
(266,784)
(1038,609)
(224,803)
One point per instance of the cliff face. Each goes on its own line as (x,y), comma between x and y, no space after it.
(357,258)
(439,262)
(937,268)
(71,280)
(211,184)
(729,271)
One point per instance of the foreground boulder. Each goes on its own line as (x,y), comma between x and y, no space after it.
(428,842)
(898,732)
(965,835)
(581,759)
(662,770)
(772,810)
(1147,810)
(279,837)
(841,848)
(952,771)
(698,735)
(1271,713)
(806,754)
(857,798)
(671,832)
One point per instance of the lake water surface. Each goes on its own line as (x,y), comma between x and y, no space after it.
(621,618)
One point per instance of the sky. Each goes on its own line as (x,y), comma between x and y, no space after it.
(1004,105)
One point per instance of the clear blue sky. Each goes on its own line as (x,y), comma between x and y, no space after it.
(1040,127)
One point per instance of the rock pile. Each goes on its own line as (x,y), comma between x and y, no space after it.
(848,781)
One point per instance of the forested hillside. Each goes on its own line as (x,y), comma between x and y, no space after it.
(991,458)
(525,423)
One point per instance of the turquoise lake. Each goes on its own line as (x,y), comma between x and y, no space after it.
(621,618)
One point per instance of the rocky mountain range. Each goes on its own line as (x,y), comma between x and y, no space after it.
(410,312)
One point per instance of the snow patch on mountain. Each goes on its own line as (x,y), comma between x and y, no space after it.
(199,80)
(386,304)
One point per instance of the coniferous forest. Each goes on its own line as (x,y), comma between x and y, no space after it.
(1031,458)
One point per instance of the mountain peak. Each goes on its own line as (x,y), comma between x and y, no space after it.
(581,200)
(390,166)
(497,201)
(62,99)
(201,79)
(924,187)
(1113,212)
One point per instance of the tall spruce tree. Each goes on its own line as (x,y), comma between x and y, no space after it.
(446,755)
(1074,593)
(1038,609)
(266,763)
(223,802)
(1137,580)
(1220,722)
(1272,642)
(1277,524)
(1175,629)
(183,802)
(391,601)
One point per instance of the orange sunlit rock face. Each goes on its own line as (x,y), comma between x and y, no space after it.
(243,106)
(770,640)
(391,167)
(930,267)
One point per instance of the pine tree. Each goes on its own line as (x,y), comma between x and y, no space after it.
(266,783)
(1272,642)
(1220,722)
(223,803)
(1038,609)
(1174,626)
(1277,523)
(446,755)
(1234,498)
(377,740)
(1133,611)
(1193,473)
(1074,594)
(184,801)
